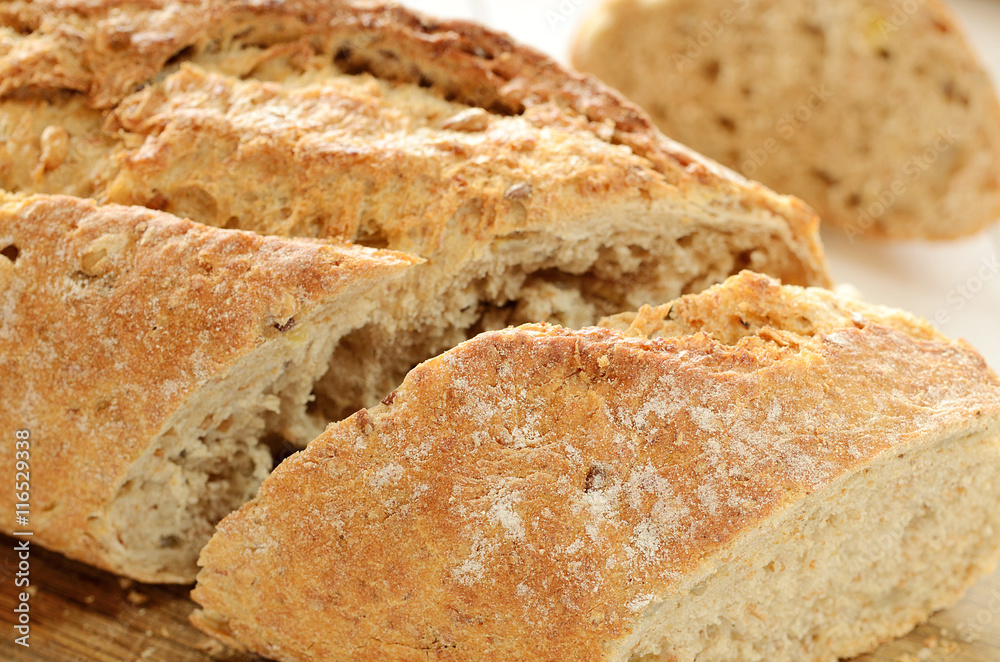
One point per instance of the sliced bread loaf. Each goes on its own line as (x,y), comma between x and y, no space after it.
(756,473)
(147,358)
(533,192)
(876,112)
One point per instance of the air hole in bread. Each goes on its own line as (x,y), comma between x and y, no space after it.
(281,449)
(824,176)
(285,326)
(727,123)
(954,95)
(342,58)
(182,55)
(11,252)
(813,29)
(192,202)
(157,201)
(19,24)
(475,49)
(711,70)
(595,480)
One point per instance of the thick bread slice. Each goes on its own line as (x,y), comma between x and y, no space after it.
(546,494)
(147,356)
(534,193)
(876,112)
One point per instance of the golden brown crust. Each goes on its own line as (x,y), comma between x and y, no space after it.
(466,61)
(111,318)
(105,50)
(731,311)
(526,494)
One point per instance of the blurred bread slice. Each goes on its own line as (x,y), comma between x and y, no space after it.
(757,473)
(876,113)
(534,193)
(148,358)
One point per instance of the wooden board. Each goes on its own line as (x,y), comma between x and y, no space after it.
(80,614)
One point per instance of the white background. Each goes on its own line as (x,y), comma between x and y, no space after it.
(925,278)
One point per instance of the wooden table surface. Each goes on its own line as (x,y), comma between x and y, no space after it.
(80,614)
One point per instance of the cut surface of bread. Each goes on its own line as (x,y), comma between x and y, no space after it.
(755,473)
(147,357)
(878,114)
(534,193)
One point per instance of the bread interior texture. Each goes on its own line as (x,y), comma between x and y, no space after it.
(608,267)
(859,562)
(849,88)
(213,454)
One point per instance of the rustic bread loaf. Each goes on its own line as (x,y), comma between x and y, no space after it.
(876,113)
(534,193)
(147,356)
(756,473)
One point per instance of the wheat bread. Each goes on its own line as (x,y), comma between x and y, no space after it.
(755,473)
(876,113)
(149,357)
(533,192)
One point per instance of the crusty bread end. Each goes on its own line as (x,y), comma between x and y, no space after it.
(794,480)
(149,358)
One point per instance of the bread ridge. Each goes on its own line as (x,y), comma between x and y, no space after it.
(484,477)
(113,318)
(731,311)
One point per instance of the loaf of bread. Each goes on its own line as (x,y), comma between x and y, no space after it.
(876,113)
(146,357)
(533,193)
(758,473)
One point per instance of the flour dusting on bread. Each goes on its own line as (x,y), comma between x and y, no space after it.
(639,492)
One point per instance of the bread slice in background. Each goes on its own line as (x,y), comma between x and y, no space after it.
(534,193)
(877,113)
(147,357)
(755,473)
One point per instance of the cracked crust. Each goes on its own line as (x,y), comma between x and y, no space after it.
(91,48)
(539,493)
(116,320)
